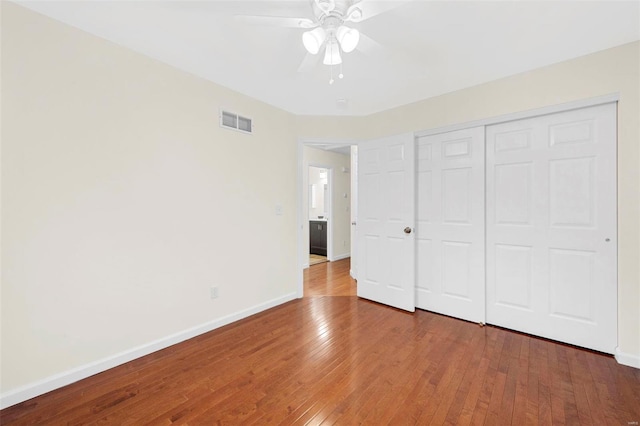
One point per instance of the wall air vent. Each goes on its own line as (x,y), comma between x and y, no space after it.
(234,121)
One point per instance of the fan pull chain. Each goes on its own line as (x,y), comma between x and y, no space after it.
(331,80)
(340,75)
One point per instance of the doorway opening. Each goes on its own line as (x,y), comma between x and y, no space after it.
(324,205)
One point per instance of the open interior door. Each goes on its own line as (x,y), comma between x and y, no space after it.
(386,214)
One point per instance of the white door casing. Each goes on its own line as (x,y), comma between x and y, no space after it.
(551,226)
(354,212)
(386,254)
(450,240)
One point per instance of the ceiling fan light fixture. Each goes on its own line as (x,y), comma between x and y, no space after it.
(332,53)
(348,38)
(313,40)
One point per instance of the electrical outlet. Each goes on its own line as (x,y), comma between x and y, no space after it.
(214,292)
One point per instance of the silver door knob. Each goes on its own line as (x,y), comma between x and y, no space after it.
(407,230)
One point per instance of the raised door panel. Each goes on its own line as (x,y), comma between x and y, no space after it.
(456,195)
(571,192)
(513,276)
(513,190)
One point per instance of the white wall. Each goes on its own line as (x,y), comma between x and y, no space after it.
(341,182)
(123,201)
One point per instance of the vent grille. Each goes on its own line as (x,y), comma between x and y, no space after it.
(234,121)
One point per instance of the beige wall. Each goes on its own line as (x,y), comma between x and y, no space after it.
(334,128)
(123,200)
(341,219)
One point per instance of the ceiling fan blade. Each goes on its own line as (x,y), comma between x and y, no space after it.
(309,62)
(366,9)
(370,47)
(278,21)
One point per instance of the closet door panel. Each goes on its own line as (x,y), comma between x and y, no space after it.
(450,224)
(551,226)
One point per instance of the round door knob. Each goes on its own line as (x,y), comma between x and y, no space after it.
(607,239)
(407,230)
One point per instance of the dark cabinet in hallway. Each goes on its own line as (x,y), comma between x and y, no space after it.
(318,237)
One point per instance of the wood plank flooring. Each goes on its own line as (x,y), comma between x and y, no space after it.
(331,358)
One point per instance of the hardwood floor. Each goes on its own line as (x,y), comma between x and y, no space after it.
(331,358)
(329,279)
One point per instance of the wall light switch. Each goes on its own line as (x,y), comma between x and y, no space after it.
(278,209)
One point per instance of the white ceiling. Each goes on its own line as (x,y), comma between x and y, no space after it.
(426,48)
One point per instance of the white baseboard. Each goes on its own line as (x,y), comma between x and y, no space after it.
(627,359)
(341,256)
(56,381)
(305,265)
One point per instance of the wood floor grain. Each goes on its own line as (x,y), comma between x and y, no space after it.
(331,358)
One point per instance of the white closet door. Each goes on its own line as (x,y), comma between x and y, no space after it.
(386,215)
(450,229)
(551,226)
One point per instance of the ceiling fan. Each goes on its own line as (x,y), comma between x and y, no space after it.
(328,32)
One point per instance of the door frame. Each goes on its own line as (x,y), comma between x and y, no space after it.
(311,143)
